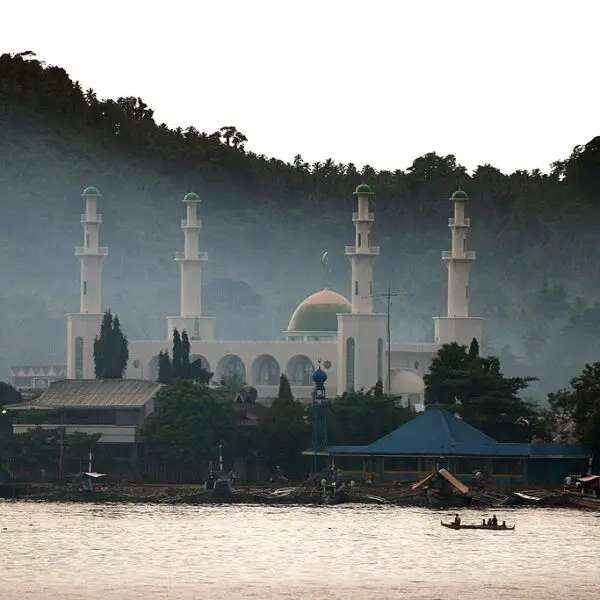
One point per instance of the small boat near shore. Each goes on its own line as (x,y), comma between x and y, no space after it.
(482,526)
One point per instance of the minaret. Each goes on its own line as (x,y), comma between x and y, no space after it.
(362,255)
(457,326)
(190,261)
(91,255)
(82,327)
(361,332)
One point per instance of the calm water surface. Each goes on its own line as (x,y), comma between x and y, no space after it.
(120,552)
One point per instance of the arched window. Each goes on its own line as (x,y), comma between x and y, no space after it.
(380,360)
(349,364)
(78,358)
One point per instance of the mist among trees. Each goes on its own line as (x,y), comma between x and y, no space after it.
(535,279)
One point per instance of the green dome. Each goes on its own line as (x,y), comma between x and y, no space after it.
(318,312)
(363,189)
(91,191)
(460,195)
(191,197)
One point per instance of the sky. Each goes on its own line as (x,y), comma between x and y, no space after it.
(378,82)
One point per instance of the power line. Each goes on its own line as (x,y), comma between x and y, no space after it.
(389,295)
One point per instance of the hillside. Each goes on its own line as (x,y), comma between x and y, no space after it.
(266,224)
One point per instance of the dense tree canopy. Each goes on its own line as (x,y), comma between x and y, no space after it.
(361,417)
(475,388)
(534,232)
(581,403)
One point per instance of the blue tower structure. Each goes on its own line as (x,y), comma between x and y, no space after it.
(319,414)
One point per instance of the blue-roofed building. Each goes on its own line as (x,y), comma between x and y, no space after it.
(439,438)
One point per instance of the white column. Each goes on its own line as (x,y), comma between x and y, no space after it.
(91,255)
(362,255)
(191,260)
(82,327)
(459,259)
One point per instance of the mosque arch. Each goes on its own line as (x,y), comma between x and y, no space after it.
(265,370)
(409,385)
(78,357)
(203,361)
(152,374)
(231,366)
(299,370)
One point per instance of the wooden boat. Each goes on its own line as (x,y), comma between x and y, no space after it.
(482,526)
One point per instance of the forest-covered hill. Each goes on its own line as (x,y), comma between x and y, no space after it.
(266,224)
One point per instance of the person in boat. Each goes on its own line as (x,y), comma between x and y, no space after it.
(456,519)
(483,521)
(504,524)
(494,521)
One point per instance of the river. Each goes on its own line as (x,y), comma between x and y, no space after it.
(146,552)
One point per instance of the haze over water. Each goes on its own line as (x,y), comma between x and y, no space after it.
(110,552)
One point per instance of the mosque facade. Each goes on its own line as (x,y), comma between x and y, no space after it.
(343,334)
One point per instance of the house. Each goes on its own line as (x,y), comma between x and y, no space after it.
(436,437)
(114,408)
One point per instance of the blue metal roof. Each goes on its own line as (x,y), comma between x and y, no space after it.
(437,432)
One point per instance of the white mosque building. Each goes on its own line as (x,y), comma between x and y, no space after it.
(349,339)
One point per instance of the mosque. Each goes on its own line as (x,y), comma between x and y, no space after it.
(349,340)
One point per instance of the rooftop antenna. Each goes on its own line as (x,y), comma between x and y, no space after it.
(389,295)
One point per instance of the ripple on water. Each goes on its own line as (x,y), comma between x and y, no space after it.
(121,552)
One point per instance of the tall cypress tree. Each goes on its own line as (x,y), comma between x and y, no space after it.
(111,351)
(120,348)
(285,391)
(185,355)
(177,354)
(165,370)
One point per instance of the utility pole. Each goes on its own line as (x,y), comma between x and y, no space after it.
(389,295)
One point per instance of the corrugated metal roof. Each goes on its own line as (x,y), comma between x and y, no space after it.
(97,393)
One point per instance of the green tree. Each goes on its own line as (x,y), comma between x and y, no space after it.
(185,355)
(361,417)
(284,432)
(474,387)
(581,403)
(111,352)
(178,355)
(285,390)
(198,374)
(188,424)
(165,370)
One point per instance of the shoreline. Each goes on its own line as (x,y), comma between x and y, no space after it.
(488,498)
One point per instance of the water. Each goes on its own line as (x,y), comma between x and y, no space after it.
(125,552)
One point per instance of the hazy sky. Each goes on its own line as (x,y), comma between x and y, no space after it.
(513,83)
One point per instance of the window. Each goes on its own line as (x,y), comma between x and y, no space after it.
(85,288)
(87,240)
(356,288)
(370,288)
(359,240)
(380,360)
(349,364)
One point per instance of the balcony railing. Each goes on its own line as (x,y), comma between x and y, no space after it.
(196,225)
(459,222)
(365,217)
(110,434)
(83,251)
(91,218)
(181,256)
(368,250)
(468,255)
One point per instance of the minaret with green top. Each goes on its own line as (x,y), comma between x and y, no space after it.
(458,326)
(362,255)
